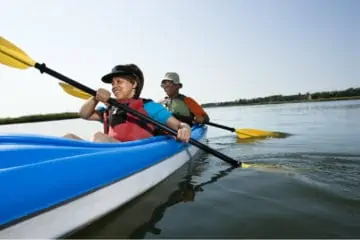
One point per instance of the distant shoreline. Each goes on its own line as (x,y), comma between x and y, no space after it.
(75,115)
(229,104)
(39,118)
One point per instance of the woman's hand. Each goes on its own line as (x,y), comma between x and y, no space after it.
(184,132)
(102,95)
(183,129)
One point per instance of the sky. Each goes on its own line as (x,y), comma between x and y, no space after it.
(223,50)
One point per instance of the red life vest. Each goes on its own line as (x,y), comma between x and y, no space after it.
(125,126)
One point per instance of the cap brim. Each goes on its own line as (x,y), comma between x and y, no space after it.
(108,77)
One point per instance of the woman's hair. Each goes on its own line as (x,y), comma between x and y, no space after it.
(136,75)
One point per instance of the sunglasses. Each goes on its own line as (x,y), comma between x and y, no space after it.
(166,83)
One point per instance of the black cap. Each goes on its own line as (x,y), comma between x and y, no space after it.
(127,69)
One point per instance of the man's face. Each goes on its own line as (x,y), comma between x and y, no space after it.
(170,88)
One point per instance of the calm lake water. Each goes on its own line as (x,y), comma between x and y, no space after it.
(304,186)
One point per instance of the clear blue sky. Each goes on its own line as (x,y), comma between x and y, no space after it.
(223,50)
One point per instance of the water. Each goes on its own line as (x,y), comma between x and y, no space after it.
(304,186)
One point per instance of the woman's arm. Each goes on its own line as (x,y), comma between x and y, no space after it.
(183,129)
(159,113)
(87,111)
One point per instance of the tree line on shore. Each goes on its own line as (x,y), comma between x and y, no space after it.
(349,93)
(39,118)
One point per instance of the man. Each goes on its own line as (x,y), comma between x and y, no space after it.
(183,108)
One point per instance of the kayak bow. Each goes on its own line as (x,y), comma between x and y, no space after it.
(54,186)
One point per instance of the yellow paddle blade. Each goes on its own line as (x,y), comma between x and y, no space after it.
(256,165)
(268,167)
(74,91)
(254,133)
(13,56)
(245,165)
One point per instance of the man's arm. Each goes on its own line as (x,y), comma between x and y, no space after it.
(200,115)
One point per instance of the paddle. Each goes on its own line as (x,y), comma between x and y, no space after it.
(244,133)
(74,91)
(12,56)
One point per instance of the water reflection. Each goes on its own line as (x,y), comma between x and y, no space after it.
(186,192)
(141,215)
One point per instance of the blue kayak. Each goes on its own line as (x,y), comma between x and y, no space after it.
(52,186)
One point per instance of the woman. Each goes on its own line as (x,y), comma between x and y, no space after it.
(127,82)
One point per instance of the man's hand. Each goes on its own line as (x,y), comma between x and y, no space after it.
(199,119)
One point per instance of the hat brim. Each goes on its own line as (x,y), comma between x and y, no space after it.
(166,79)
(108,77)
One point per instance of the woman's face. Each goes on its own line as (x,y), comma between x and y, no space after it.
(123,88)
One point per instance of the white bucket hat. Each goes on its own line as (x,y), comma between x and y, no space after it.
(172,76)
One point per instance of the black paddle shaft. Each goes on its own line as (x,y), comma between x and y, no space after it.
(221,126)
(189,119)
(43,68)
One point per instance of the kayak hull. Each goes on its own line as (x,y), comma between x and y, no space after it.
(55,196)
